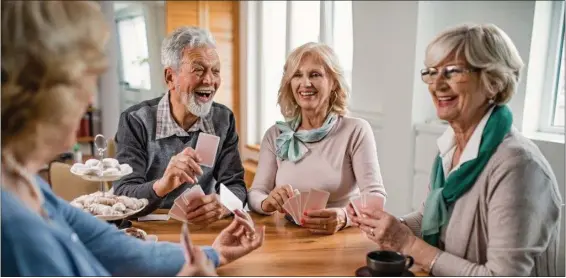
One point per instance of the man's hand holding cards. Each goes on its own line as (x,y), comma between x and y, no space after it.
(182,168)
(195,207)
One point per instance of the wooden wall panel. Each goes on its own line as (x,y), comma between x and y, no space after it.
(179,13)
(221,18)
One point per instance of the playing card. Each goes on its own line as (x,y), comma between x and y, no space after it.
(299,208)
(229,199)
(179,200)
(317,199)
(374,201)
(304,199)
(187,243)
(366,200)
(192,193)
(296,207)
(177,213)
(290,210)
(357,204)
(206,148)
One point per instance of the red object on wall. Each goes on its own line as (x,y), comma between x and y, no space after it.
(83,128)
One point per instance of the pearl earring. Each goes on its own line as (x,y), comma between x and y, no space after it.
(491,101)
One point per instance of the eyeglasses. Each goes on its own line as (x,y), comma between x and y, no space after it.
(452,73)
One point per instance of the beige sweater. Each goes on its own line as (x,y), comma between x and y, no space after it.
(343,163)
(507,224)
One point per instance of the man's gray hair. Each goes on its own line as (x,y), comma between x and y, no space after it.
(181,38)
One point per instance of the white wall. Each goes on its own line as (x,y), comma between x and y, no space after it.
(382,85)
(389,42)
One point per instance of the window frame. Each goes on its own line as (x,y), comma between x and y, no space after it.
(255,65)
(552,71)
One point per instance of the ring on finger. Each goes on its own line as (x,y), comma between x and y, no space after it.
(371,232)
(251,236)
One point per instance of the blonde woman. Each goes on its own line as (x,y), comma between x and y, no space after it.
(494,206)
(319,146)
(52,54)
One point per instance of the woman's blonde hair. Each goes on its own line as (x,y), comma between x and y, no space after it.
(48,47)
(328,58)
(485,47)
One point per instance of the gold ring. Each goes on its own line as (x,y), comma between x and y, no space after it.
(371,232)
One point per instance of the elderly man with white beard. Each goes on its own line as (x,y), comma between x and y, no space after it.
(157,137)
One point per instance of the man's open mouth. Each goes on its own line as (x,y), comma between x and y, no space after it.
(203,95)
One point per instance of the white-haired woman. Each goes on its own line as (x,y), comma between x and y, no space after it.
(319,146)
(493,204)
(52,54)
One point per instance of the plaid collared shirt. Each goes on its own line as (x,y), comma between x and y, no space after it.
(166,125)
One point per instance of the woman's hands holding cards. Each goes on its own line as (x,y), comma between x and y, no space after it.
(324,221)
(239,238)
(383,228)
(182,168)
(199,266)
(277,198)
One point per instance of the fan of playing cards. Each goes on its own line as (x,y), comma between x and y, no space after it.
(315,199)
(179,210)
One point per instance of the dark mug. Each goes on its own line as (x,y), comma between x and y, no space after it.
(388,263)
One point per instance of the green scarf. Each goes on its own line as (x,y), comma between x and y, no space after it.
(290,143)
(445,192)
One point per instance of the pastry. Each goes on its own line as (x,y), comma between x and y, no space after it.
(125,168)
(106,204)
(110,163)
(111,172)
(91,162)
(107,167)
(119,207)
(100,209)
(135,232)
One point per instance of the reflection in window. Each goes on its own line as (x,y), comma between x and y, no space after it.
(305,23)
(134,52)
(343,36)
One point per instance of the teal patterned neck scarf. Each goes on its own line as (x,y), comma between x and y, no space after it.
(291,143)
(445,192)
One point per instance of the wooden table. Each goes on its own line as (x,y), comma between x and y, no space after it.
(288,250)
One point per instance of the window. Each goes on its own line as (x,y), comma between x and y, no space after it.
(134,52)
(344,36)
(283,26)
(305,23)
(273,51)
(553,97)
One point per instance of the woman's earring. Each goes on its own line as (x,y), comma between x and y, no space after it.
(491,101)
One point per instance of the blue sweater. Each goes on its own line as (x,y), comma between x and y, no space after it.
(74,243)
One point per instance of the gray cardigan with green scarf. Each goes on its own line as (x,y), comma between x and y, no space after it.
(507,224)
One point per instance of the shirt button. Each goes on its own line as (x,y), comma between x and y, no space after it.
(75,237)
